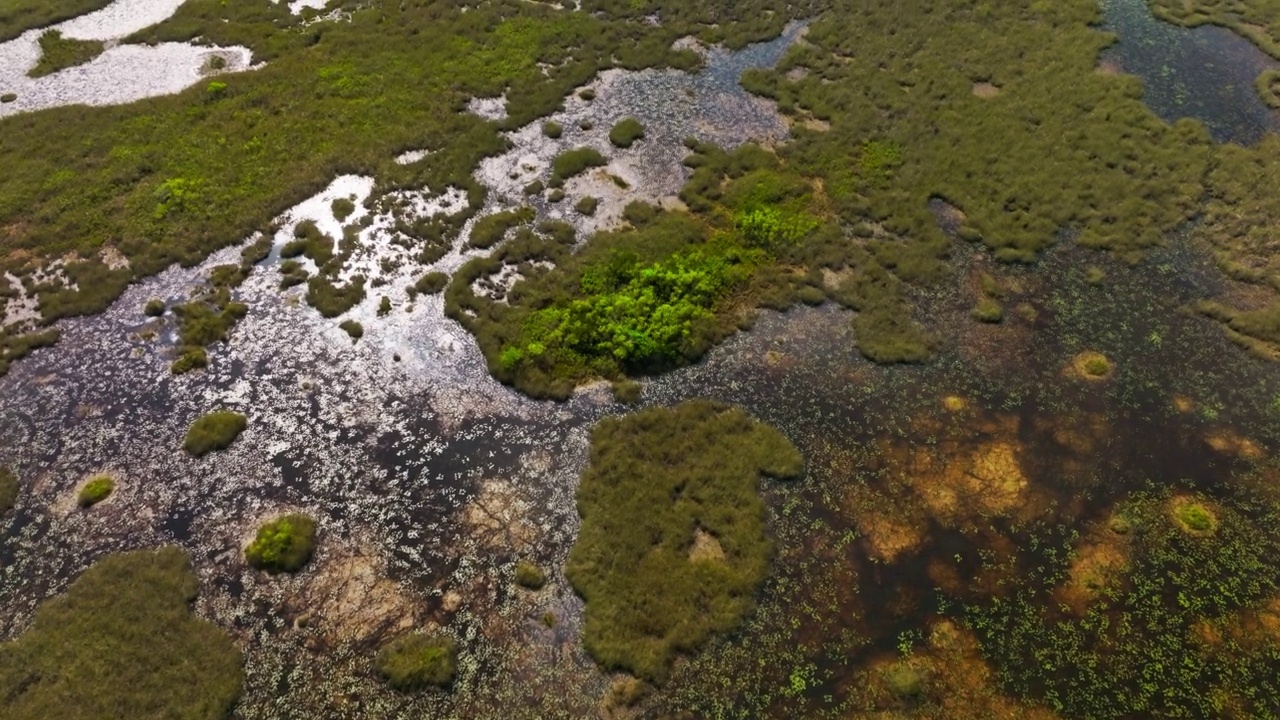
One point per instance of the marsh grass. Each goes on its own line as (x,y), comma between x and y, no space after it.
(654,478)
(418,661)
(353,329)
(95,491)
(572,163)
(59,53)
(626,132)
(284,544)
(122,642)
(18,16)
(9,487)
(587,206)
(530,576)
(214,431)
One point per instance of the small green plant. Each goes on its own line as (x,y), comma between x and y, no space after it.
(384,306)
(587,94)
(216,89)
(96,490)
(352,328)
(626,133)
(552,130)
(988,311)
(904,680)
(214,431)
(587,206)
(191,358)
(432,283)
(419,661)
(283,545)
(1194,517)
(530,576)
(154,308)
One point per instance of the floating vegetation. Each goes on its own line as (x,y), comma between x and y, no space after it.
(95,491)
(214,431)
(418,661)
(283,545)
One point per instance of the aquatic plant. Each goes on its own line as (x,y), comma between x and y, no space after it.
(659,481)
(530,576)
(284,544)
(213,431)
(627,132)
(417,661)
(122,642)
(95,491)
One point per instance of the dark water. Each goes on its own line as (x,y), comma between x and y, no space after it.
(1206,73)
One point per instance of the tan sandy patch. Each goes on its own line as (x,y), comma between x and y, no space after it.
(985,90)
(705,548)
(498,516)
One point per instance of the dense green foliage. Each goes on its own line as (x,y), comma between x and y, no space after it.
(352,328)
(413,662)
(58,53)
(1137,652)
(491,229)
(574,162)
(9,487)
(96,490)
(214,431)
(587,205)
(18,16)
(661,485)
(626,132)
(122,643)
(432,283)
(283,545)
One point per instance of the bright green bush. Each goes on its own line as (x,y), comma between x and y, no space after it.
(419,661)
(214,431)
(656,480)
(283,545)
(121,642)
(95,491)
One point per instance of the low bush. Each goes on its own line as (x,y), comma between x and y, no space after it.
(283,545)
(342,208)
(214,431)
(433,283)
(627,392)
(587,206)
(331,300)
(626,133)
(574,162)
(552,130)
(154,308)
(191,358)
(352,328)
(662,487)
(414,662)
(988,311)
(59,53)
(95,491)
(530,576)
(121,642)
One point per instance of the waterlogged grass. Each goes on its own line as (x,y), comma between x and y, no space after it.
(418,661)
(1258,20)
(59,53)
(673,545)
(214,431)
(284,544)
(95,491)
(122,643)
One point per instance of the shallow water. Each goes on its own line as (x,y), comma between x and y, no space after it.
(1206,73)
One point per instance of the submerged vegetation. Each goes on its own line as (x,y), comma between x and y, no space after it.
(673,545)
(214,431)
(283,545)
(122,642)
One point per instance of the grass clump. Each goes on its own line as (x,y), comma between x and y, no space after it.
(414,662)
(342,208)
(59,53)
(122,642)
(656,480)
(530,576)
(95,491)
(587,206)
(1193,516)
(627,391)
(433,283)
(353,329)
(571,163)
(626,132)
(154,308)
(988,311)
(283,545)
(1092,365)
(214,431)
(8,490)
(491,229)
(552,130)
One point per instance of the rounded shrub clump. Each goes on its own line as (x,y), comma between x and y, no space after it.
(988,311)
(283,545)
(587,206)
(414,662)
(626,133)
(212,432)
(95,491)
(352,328)
(552,130)
(904,680)
(530,576)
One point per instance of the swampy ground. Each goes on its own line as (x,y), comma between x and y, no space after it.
(640,359)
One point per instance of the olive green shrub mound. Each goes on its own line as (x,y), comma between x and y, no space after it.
(214,431)
(59,53)
(673,545)
(95,491)
(626,133)
(414,662)
(283,545)
(572,163)
(121,642)
(18,16)
(9,487)
(530,576)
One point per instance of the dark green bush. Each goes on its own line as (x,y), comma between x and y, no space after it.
(342,208)
(283,545)
(414,662)
(491,229)
(664,487)
(384,306)
(433,283)
(574,162)
(587,206)
(626,132)
(552,130)
(121,642)
(8,97)
(352,328)
(95,491)
(154,308)
(214,431)
(191,358)
(332,301)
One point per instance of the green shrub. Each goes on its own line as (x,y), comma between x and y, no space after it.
(352,328)
(530,576)
(413,662)
(121,642)
(214,431)
(433,283)
(574,162)
(154,308)
(627,392)
(332,301)
(552,130)
(659,483)
(587,206)
(988,311)
(283,545)
(7,98)
(342,208)
(191,358)
(9,487)
(556,195)
(587,94)
(491,229)
(626,133)
(384,306)
(95,491)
